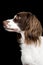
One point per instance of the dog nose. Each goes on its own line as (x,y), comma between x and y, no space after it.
(5,22)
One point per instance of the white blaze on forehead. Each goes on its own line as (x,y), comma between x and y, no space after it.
(11,24)
(15,16)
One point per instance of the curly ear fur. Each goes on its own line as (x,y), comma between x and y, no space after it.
(33,29)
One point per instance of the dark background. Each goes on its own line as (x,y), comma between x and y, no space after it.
(10,50)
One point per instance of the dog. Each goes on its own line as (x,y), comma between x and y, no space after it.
(31,40)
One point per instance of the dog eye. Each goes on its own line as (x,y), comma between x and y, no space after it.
(19,17)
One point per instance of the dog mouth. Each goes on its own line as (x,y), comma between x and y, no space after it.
(10,29)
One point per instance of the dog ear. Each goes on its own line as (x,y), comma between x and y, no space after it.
(33,29)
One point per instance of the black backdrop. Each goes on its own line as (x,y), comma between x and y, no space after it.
(10,53)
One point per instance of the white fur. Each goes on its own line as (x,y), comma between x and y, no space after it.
(15,16)
(32,54)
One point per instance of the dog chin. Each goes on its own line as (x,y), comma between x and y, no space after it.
(11,29)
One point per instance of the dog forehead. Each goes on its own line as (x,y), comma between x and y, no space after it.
(23,13)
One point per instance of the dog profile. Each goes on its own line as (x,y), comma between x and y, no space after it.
(30,28)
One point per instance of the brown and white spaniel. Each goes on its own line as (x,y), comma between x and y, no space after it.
(31,38)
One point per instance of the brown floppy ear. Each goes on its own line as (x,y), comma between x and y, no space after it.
(33,29)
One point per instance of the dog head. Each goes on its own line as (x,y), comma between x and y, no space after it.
(25,22)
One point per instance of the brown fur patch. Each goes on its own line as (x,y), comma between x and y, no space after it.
(23,21)
(31,25)
(35,30)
